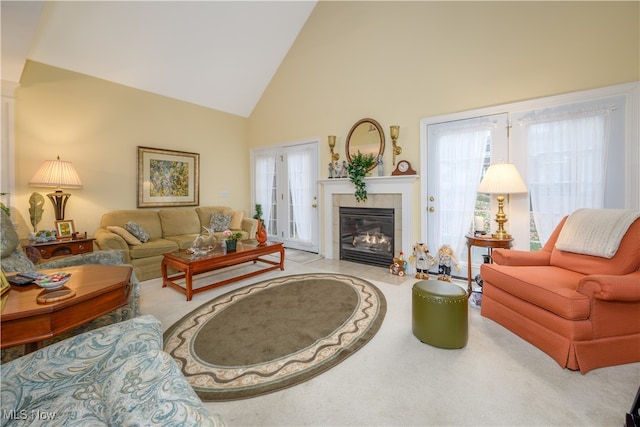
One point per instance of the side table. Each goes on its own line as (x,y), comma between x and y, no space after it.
(484,242)
(35,251)
(98,290)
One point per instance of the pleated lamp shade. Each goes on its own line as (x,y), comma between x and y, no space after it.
(502,178)
(56,174)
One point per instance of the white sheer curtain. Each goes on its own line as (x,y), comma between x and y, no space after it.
(299,167)
(567,158)
(265,169)
(459,150)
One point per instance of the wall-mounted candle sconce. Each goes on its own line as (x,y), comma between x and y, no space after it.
(395,133)
(332,145)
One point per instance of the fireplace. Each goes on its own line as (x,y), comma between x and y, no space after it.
(391,192)
(367,235)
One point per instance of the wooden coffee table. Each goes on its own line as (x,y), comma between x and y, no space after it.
(96,290)
(189,265)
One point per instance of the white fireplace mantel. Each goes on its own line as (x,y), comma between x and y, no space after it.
(403,185)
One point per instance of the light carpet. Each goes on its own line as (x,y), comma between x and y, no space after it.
(498,379)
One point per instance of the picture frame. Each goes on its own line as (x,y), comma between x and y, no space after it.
(65,229)
(168,178)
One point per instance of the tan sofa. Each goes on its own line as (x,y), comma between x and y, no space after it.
(168,229)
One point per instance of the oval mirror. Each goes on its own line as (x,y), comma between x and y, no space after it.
(367,137)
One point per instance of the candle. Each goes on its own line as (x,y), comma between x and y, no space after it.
(479,223)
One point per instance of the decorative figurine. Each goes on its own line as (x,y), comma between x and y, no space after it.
(330,170)
(445,259)
(337,170)
(380,169)
(399,265)
(345,169)
(422,259)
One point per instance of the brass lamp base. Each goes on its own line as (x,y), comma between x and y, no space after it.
(501,219)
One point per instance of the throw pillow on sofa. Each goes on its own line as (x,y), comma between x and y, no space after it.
(220,222)
(236,220)
(137,230)
(128,237)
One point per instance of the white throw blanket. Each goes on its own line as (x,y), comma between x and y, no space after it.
(596,232)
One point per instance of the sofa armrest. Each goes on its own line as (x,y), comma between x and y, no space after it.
(150,389)
(611,288)
(107,240)
(250,225)
(520,258)
(109,257)
(31,380)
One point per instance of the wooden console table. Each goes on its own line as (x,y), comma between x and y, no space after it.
(59,247)
(98,289)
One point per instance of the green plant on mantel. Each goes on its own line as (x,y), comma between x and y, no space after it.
(357,169)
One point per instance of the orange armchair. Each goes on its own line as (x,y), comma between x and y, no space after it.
(582,310)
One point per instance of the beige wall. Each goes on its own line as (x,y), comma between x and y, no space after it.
(399,62)
(97,125)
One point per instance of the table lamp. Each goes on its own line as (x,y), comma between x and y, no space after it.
(501,179)
(57,174)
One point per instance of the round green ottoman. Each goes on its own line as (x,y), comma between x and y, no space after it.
(440,313)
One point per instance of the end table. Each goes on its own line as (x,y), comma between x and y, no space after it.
(485,242)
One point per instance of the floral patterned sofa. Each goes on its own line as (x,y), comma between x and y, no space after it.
(117,375)
(14,259)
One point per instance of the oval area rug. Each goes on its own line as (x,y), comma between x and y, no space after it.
(274,334)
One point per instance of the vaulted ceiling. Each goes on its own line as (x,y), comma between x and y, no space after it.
(217,54)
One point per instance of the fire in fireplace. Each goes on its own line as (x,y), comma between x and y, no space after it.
(366,235)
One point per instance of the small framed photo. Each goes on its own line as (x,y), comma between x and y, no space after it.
(65,229)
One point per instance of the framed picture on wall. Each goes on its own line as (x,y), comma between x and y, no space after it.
(168,178)
(65,228)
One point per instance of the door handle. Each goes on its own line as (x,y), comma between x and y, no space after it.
(432,209)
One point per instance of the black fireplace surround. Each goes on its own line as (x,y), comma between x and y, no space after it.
(367,235)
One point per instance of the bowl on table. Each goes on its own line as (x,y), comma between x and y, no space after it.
(53,281)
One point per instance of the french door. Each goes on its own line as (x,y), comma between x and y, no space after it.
(458,152)
(286,185)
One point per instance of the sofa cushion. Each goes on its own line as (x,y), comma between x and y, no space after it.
(220,222)
(204,213)
(184,241)
(137,230)
(551,288)
(176,222)
(151,248)
(128,237)
(148,219)
(236,220)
